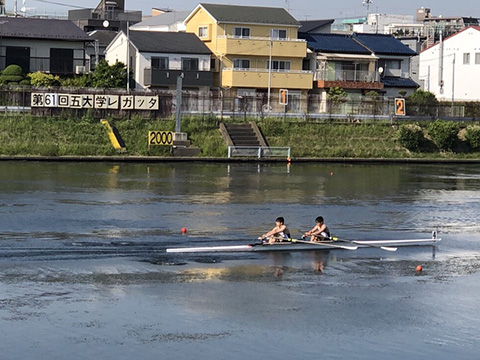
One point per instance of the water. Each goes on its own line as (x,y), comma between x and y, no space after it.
(84,273)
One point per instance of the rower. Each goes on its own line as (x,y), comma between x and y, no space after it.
(278,234)
(319,232)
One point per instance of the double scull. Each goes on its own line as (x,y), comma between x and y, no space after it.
(299,245)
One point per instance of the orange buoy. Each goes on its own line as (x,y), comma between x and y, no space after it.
(184,230)
(419,268)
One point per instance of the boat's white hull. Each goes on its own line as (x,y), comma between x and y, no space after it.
(297,246)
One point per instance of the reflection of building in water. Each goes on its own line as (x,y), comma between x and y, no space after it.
(242,272)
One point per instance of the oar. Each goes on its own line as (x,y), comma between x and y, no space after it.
(324,244)
(386,248)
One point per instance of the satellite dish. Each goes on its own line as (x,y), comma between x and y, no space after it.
(106,24)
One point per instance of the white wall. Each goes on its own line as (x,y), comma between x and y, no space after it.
(459,83)
(116,51)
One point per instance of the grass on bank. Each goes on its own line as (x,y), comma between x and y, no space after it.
(27,135)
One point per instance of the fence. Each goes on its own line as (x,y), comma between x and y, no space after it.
(312,107)
(258,151)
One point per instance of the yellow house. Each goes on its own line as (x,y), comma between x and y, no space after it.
(256,49)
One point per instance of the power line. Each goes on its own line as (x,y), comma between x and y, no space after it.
(61,4)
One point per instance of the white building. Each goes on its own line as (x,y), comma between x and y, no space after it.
(380,23)
(450,68)
(168,21)
(157,58)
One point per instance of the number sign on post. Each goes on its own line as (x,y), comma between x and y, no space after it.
(400,106)
(160,138)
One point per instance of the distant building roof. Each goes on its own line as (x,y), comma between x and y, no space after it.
(164,19)
(453,35)
(250,14)
(333,43)
(47,29)
(168,42)
(104,37)
(313,26)
(399,82)
(384,44)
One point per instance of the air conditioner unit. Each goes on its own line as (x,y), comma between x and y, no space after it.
(79,69)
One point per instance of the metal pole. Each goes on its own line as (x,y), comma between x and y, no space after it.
(179,103)
(269,74)
(97,51)
(440,65)
(128,56)
(453,79)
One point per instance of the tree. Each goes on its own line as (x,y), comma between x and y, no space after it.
(372,103)
(109,76)
(422,103)
(336,95)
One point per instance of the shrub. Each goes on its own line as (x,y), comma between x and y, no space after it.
(12,74)
(81,81)
(473,136)
(411,137)
(12,70)
(39,78)
(443,133)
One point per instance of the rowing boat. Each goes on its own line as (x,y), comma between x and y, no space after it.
(306,245)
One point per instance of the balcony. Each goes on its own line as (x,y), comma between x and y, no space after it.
(259,46)
(259,78)
(348,79)
(161,77)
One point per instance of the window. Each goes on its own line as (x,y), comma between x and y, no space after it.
(393,64)
(213,64)
(190,64)
(477,58)
(278,34)
(61,61)
(18,55)
(203,32)
(241,32)
(279,65)
(466,58)
(160,63)
(306,64)
(241,64)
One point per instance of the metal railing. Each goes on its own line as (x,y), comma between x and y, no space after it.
(258,151)
(348,75)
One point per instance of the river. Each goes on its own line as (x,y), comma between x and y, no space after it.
(84,273)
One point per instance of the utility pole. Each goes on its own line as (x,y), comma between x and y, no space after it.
(128,56)
(179,104)
(440,64)
(453,80)
(269,73)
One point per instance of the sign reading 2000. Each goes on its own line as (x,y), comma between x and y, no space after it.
(160,138)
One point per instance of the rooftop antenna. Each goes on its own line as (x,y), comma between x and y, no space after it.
(367,3)
(287,3)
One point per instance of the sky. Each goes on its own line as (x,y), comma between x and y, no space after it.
(300,9)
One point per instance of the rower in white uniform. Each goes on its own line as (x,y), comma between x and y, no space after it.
(279,233)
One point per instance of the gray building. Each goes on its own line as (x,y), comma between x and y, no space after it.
(47,45)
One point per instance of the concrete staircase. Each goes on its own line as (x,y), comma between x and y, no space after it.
(243,135)
(183,147)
